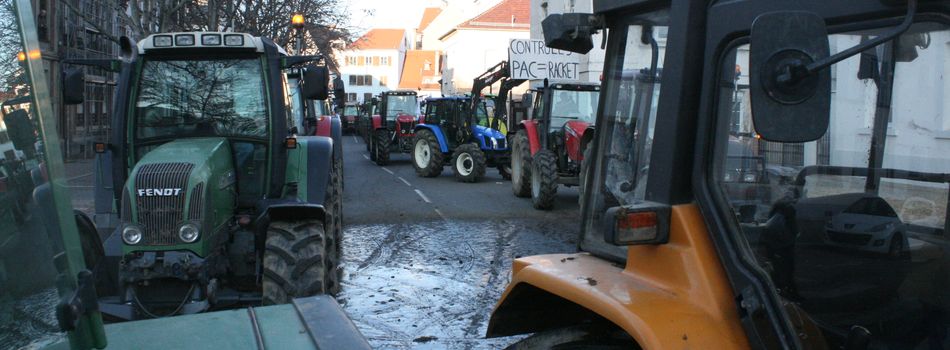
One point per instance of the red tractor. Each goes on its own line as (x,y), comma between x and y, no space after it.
(550,148)
(392,127)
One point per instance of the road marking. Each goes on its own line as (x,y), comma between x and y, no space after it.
(388,171)
(404,181)
(355,139)
(78,177)
(437,211)
(366,156)
(499,183)
(426,199)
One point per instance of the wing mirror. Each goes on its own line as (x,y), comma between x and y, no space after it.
(74,83)
(789,85)
(571,31)
(315,83)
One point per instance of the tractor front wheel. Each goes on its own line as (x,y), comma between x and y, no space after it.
(295,261)
(468,163)
(543,179)
(427,157)
(520,165)
(382,147)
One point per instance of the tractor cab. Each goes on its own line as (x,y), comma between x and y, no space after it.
(351,112)
(776,180)
(207,162)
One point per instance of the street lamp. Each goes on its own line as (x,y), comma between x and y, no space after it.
(297,21)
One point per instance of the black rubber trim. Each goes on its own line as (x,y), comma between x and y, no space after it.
(329,327)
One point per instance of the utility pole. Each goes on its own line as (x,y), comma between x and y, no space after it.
(297,21)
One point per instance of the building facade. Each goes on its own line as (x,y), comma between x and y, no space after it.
(373,63)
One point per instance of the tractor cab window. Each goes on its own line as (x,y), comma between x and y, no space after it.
(632,89)
(200,98)
(435,113)
(570,105)
(481,114)
(852,228)
(350,110)
(400,104)
(38,264)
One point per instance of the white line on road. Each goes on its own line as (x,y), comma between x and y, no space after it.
(355,139)
(388,171)
(404,181)
(366,156)
(426,199)
(437,211)
(78,177)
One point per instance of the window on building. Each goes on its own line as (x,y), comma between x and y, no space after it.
(360,60)
(367,96)
(353,80)
(351,96)
(382,80)
(427,65)
(375,60)
(384,60)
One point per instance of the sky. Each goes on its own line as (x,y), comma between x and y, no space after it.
(386,13)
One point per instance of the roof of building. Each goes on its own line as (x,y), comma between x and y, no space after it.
(428,16)
(414,72)
(379,39)
(506,14)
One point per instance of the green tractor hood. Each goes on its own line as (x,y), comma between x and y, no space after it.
(180,182)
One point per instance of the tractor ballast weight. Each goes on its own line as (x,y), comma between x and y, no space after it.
(549,150)
(392,127)
(214,202)
(451,135)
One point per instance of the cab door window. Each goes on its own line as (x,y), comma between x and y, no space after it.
(852,236)
(628,116)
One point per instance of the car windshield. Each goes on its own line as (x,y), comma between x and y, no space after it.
(570,105)
(400,104)
(181,98)
(852,227)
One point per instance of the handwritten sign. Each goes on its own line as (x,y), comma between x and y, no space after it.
(530,59)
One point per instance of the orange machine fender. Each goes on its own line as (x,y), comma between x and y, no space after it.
(531,129)
(671,296)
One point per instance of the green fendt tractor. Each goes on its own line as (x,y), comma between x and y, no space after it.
(206,196)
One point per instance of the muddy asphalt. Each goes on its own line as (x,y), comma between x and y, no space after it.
(426,259)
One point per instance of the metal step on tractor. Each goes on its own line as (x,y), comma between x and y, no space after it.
(393,124)
(456,132)
(206,195)
(550,147)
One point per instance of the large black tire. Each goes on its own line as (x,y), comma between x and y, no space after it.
(504,170)
(468,163)
(520,165)
(543,179)
(333,226)
(382,147)
(577,337)
(295,261)
(585,167)
(372,148)
(428,161)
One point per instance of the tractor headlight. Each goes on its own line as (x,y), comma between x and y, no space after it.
(188,233)
(131,234)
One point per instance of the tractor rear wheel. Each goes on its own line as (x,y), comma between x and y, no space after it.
(543,179)
(520,165)
(585,167)
(382,147)
(427,156)
(333,226)
(468,163)
(295,261)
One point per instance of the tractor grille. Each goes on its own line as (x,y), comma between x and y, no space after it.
(405,127)
(160,215)
(197,202)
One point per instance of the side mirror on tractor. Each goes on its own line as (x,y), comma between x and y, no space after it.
(74,82)
(571,31)
(315,81)
(339,92)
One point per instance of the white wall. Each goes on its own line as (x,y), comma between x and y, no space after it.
(469,53)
